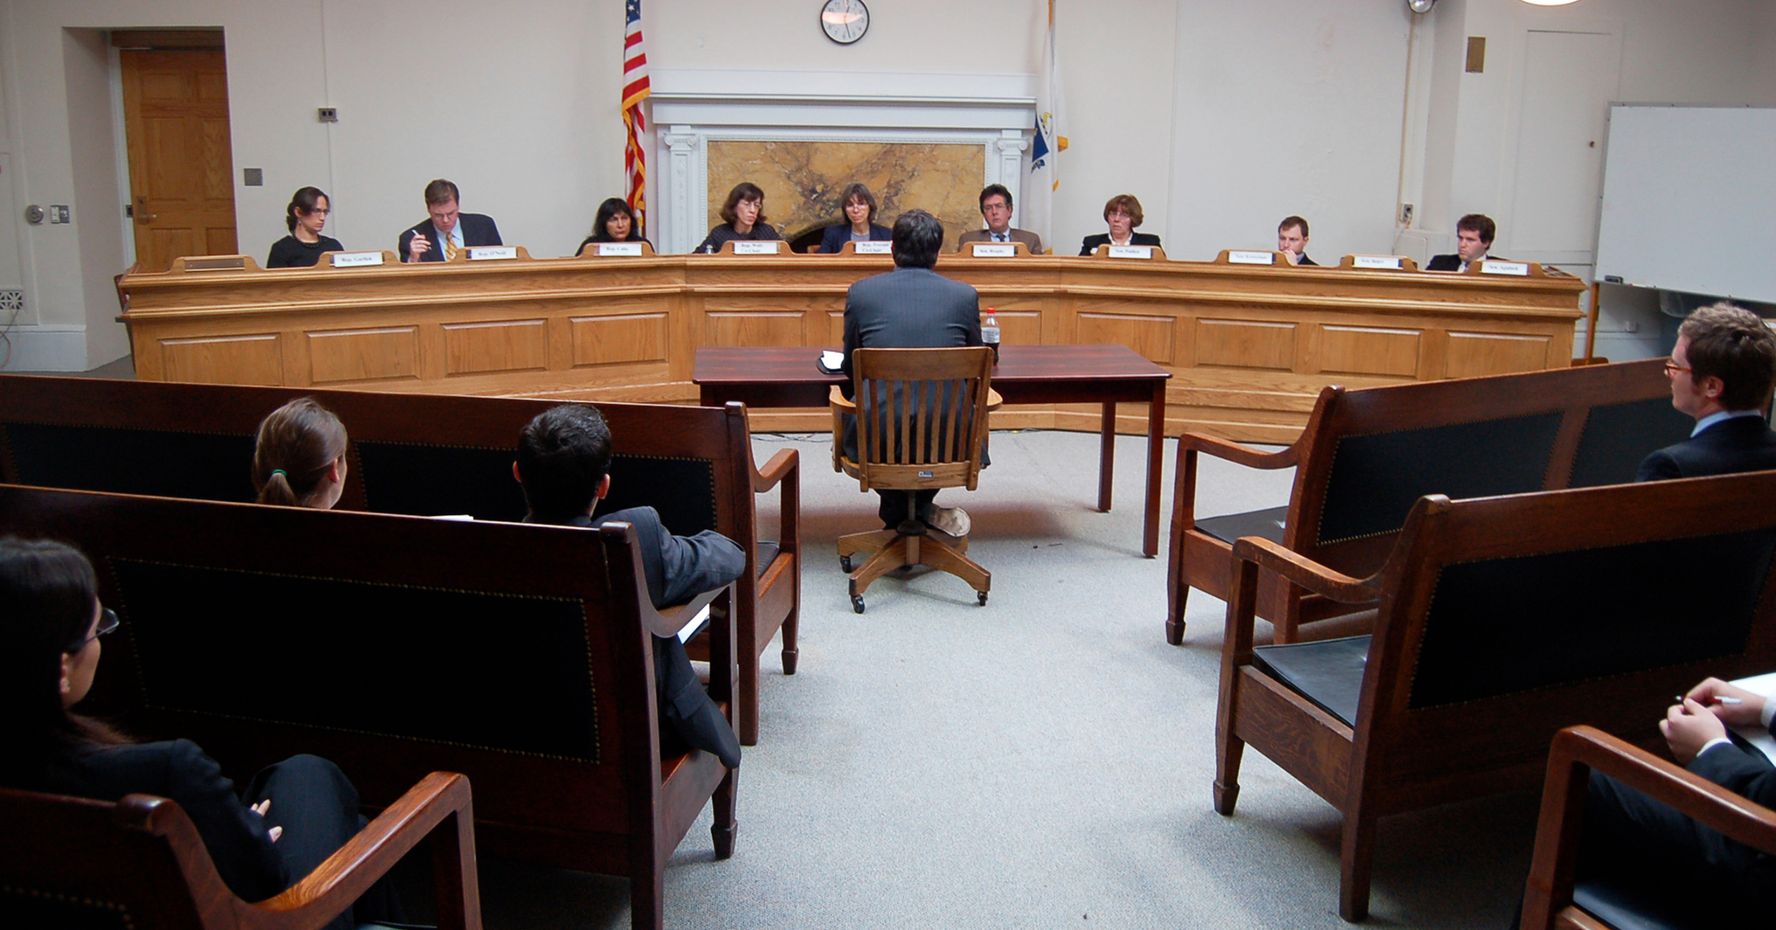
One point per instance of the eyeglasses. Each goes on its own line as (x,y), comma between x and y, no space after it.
(994,206)
(1672,368)
(107,625)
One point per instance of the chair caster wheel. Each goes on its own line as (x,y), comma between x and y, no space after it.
(845,563)
(856,604)
(982,597)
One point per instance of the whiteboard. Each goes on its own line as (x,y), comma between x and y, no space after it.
(1689,200)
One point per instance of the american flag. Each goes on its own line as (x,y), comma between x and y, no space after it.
(635,90)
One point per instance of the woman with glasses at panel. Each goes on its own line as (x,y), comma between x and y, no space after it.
(859,208)
(1122,213)
(306,216)
(743,217)
(291,817)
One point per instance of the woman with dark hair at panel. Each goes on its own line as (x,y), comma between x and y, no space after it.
(743,217)
(1123,213)
(615,222)
(306,216)
(292,816)
(299,457)
(859,206)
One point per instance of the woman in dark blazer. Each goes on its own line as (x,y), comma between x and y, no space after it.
(859,206)
(1123,213)
(305,216)
(292,815)
(743,217)
(615,222)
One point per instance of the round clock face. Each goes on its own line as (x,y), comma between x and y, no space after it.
(844,21)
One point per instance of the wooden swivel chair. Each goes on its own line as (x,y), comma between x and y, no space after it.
(921,418)
(139,863)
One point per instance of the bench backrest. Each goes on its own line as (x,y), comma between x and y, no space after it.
(1368,455)
(410,453)
(395,646)
(1553,609)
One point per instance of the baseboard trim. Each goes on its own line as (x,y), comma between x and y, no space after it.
(40,347)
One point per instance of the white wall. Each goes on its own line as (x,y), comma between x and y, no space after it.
(1221,115)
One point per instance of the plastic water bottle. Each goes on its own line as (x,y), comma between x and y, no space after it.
(990,334)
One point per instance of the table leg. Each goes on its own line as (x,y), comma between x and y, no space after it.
(1106,457)
(1156,415)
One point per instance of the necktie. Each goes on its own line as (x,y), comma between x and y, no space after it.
(1002,237)
(450,249)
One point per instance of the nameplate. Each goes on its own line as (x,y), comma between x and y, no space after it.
(995,250)
(1131,251)
(356,259)
(1517,269)
(630,249)
(1238,257)
(873,248)
(748,247)
(1377,261)
(492,253)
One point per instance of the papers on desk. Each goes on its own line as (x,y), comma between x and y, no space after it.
(1756,735)
(696,625)
(831,362)
(462,517)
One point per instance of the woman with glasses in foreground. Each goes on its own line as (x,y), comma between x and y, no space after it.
(291,817)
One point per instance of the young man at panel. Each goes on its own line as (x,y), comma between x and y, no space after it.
(1473,237)
(911,307)
(1123,213)
(448,230)
(1292,240)
(1722,372)
(563,465)
(995,208)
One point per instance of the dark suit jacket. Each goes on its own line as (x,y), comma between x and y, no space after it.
(1305,260)
(907,308)
(678,568)
(1735,445)
(477,229)
(838,234)
(237,839)
(1444,263)
(1091,243)
(1744,773)
(1030,240)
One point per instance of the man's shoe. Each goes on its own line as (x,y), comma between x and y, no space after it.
(951,520)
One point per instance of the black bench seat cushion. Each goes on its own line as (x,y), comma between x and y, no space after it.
(1265,523)
(767,553)
(1328,672)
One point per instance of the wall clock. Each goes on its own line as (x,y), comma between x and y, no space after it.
(844,21)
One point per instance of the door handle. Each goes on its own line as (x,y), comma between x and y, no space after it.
(142,214)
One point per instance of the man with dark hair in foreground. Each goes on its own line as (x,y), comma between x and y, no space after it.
(563,464)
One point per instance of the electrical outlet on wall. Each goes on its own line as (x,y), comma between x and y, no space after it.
(1405,214)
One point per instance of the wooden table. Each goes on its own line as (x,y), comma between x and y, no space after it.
(1105,374)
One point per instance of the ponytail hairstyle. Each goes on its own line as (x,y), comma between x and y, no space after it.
(303,201)
(47,596)
(297,442)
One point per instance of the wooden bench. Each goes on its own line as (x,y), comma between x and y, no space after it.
(1367,455)
(1501,620)
(1552,899)
(139,862)
(519,656)
(427,455)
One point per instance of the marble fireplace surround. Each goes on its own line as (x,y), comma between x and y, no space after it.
(693,108)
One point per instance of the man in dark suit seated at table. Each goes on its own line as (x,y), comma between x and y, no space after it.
(563,465)
(1292,240)
(447,231)
(911,307)
(1473,239)
(1722,372)
(995,207)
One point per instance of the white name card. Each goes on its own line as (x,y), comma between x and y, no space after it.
(1131,251)
(1240,257)
(490,253)
(873,248)
(748,247)
(356,259)
(1377,261)
(995,250)
(631,249)
(1519,269)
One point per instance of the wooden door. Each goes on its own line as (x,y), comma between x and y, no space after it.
(180,164)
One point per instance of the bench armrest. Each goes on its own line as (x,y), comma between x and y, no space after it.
(784,471)
(1579,750)
(439,799)
(1239,454)
(840,405)
(669,620)
(1305,572)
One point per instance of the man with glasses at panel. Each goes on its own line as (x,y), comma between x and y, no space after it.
(1722,372)
(995,207)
